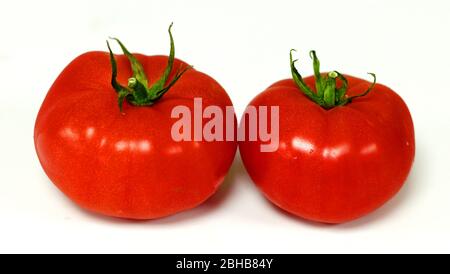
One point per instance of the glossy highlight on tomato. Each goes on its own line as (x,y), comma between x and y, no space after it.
(336,161)
(123,162)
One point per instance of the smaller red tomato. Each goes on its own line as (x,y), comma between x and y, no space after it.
(346,147)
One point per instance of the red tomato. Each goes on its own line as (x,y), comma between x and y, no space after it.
(335,162)
(125,163)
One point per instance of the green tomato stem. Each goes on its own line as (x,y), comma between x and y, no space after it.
(138,92)
(327,95)
(329,92)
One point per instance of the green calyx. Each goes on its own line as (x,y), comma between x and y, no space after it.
(327,94)
(138,92)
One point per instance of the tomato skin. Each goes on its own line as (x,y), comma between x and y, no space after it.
(126,164)
(334,165)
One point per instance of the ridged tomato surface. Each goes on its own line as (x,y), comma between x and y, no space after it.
(338,164)
(127,164)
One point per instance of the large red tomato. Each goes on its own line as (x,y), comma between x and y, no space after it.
(124,162)
(346,147)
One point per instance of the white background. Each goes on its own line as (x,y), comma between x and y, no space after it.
(244,45)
